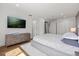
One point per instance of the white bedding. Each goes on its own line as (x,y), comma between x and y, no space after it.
(53,42)
(30,50)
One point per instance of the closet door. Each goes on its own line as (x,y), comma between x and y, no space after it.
(40,26)
(52,28)
(64,25)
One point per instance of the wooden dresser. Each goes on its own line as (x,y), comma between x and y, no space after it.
(16,38)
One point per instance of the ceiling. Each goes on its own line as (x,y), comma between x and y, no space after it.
(50,10)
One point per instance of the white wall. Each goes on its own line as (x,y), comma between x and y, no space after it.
(77,17)
(63,25)
(78,20)
(52,28)
(7,10)
(40,26)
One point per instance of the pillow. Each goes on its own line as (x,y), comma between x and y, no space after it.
(71,42)
(70,35)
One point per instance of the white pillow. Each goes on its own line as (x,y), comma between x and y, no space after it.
(70,35)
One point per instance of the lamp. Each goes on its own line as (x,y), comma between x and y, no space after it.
(73,29)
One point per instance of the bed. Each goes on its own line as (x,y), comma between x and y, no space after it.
(52,45)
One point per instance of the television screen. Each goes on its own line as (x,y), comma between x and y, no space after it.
(13,22)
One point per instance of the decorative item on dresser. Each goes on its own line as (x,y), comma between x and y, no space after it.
(15,38)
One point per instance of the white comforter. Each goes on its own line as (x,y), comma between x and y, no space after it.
(54,41)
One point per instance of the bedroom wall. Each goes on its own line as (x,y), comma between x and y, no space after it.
(77,18)
(7,10)
(63,25)
(52,28)
(40,26)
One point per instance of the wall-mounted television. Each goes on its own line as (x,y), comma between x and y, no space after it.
(14,22)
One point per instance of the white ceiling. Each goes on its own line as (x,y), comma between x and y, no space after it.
(50,10)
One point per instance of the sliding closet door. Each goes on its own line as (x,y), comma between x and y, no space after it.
(40,26)
(52,28)
(64,25)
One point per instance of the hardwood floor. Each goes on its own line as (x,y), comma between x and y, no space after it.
(14,50)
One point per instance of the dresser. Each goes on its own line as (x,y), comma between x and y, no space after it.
(11,39)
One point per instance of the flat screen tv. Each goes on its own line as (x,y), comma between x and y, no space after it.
(13,22)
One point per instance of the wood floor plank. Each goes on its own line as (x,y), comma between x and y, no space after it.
(12,50)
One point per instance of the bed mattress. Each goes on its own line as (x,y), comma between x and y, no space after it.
(51,44)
